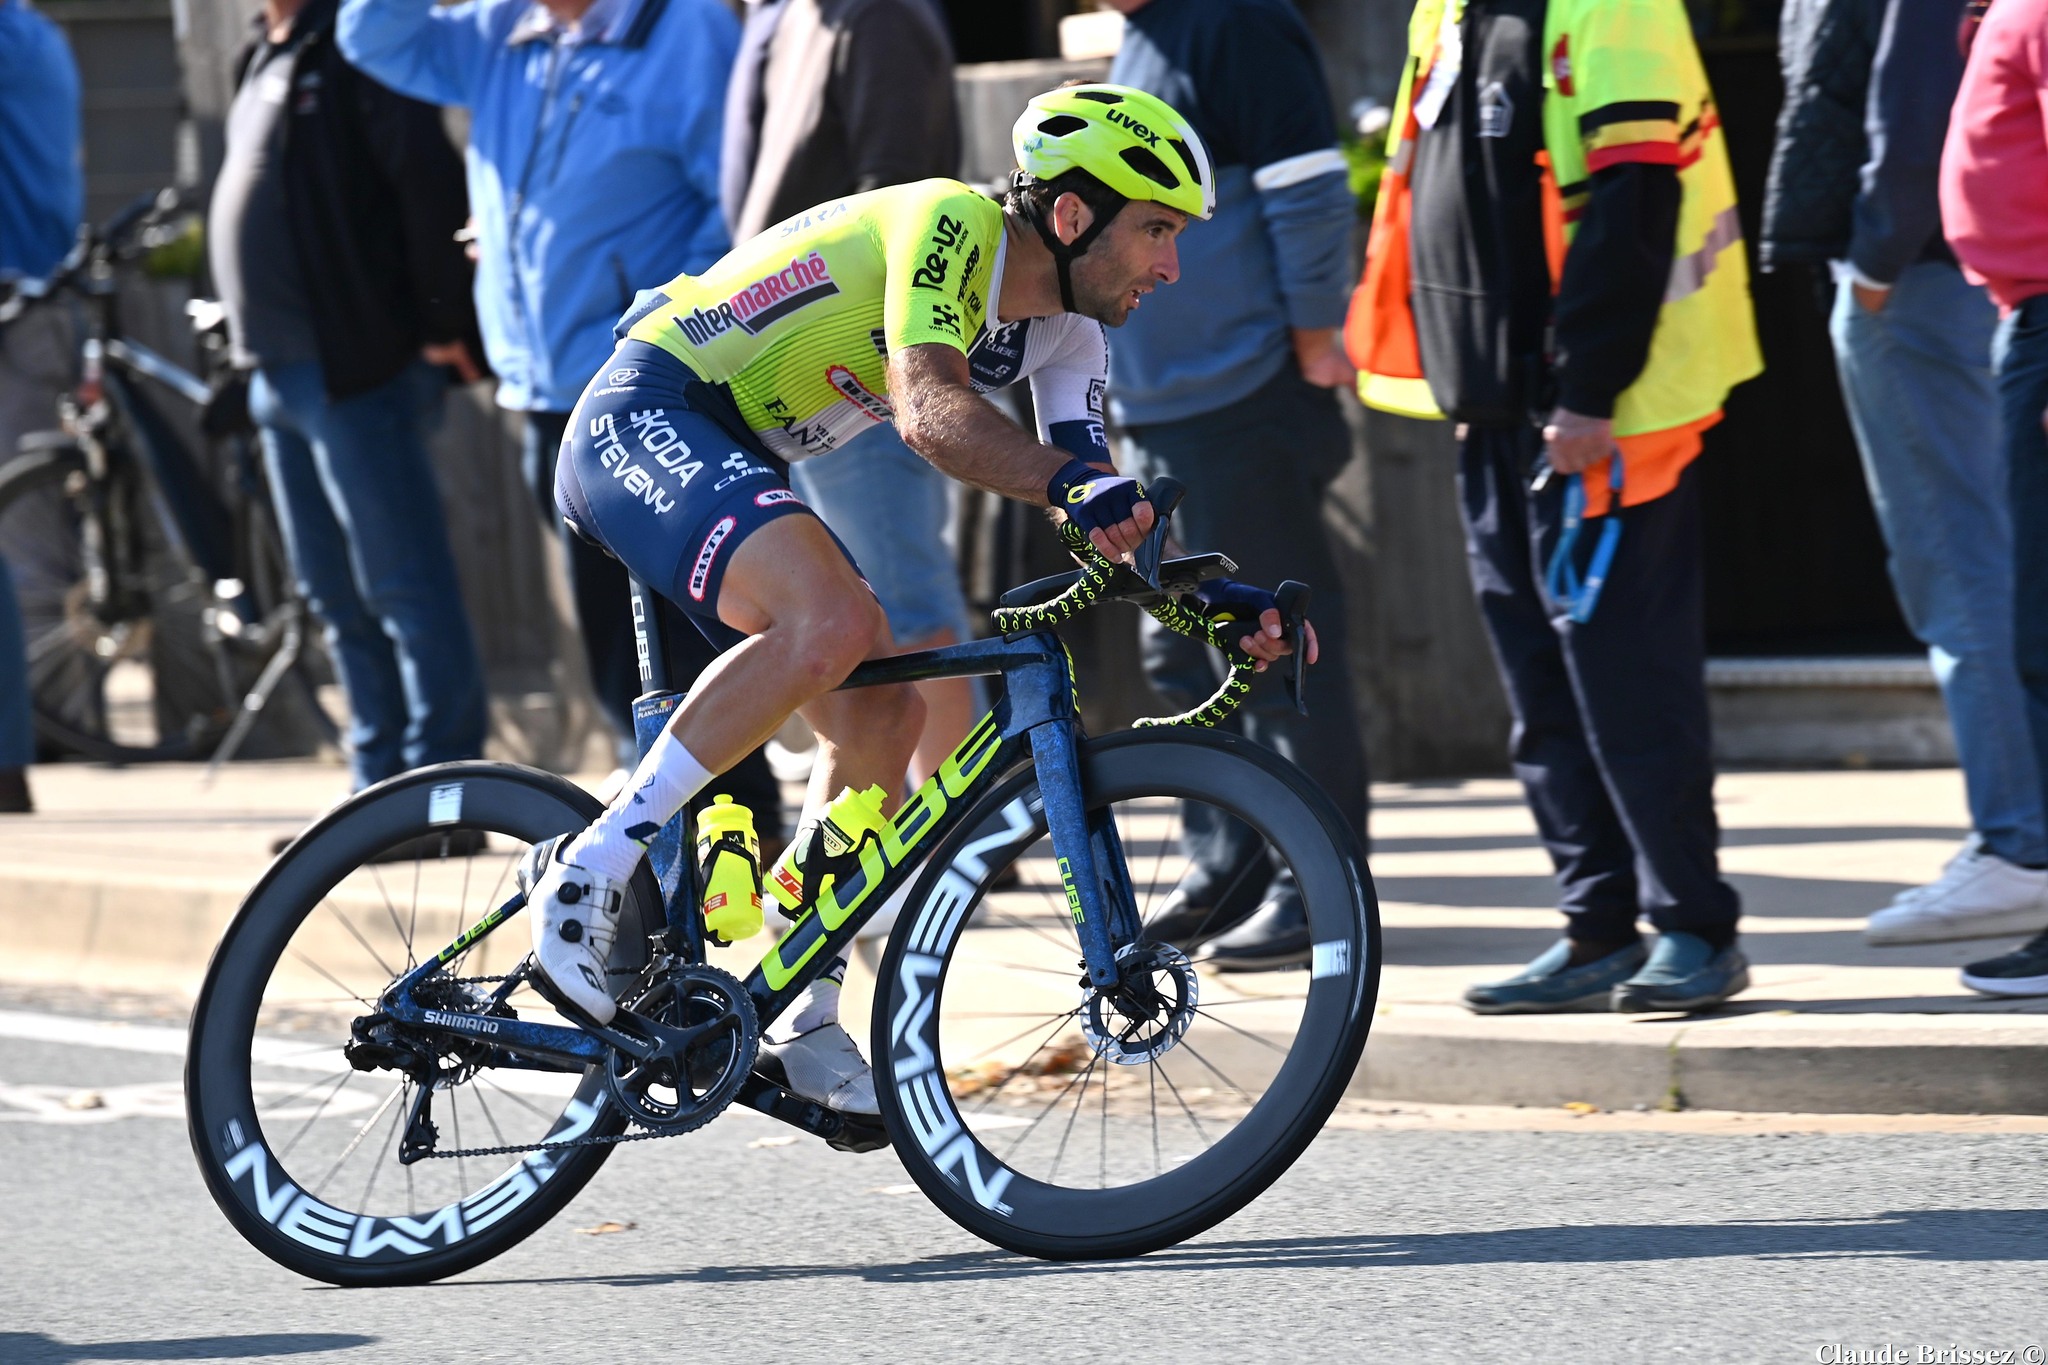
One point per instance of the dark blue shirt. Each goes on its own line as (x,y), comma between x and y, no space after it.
(42,191)
(1276,255)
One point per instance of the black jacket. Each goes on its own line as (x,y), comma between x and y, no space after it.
(376,195)
(1825,48)
(1497,349)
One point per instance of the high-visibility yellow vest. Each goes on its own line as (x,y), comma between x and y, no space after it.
(1622,82)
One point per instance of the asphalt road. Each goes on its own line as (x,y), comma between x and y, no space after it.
(1387,1241)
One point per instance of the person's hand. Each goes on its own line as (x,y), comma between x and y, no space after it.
(1320,354)
(1107,507)
(455,355)
(1868,299)
(1574,443)
(1224,600)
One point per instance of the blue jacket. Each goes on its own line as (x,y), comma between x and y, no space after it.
(593,160)
(1276,255)
(42,191)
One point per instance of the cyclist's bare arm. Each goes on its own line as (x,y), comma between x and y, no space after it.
(942,418)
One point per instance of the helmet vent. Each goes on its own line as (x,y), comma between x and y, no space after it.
(1187,158)
(1059,125)
(1151,167)
(1099,96)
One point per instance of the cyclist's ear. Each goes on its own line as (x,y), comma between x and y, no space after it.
(1071,216)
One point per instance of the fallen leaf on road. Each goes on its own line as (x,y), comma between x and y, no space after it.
(85,1099)
(602,1229)
(1581,1108)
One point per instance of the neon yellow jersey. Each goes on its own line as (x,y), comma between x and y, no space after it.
(799,322)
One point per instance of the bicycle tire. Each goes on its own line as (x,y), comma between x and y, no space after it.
(948,1149)
(254,1175)
(73,655)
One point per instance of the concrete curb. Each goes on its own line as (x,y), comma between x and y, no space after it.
(125,931)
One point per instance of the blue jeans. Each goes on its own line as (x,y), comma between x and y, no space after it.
(2021,356)
(17,725)
(1917,380)
(362,523)
(891,508)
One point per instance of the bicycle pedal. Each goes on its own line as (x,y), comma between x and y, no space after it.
(858,1135)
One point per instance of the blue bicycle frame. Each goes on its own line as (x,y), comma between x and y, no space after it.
(1034,718)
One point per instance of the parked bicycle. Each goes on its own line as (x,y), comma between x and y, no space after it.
(380,1092)
(156,602)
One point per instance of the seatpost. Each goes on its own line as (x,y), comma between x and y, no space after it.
(647,640)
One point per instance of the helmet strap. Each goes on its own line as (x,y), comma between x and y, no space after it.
(1063,253)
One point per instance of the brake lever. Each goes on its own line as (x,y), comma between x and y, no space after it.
(1164,495)
(1292,599)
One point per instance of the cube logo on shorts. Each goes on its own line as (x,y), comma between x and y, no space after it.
(700,572)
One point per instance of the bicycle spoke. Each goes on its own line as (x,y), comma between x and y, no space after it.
(1152,1088)
(491,1119)
(391,910)
(332,979)
(517,1099)
(1058,1019)
(1182,1101)
(313,1117)
(357,934)
(361,1132)
(1196,1054)
(300,1093)
(1018,1070)
(377,1166)
(1260,1040)
(1079,1100)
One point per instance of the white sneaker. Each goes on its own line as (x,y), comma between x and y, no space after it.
(1972,845)
(575,918)
(1978,895)
(825,1065)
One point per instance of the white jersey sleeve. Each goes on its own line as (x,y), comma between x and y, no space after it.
(1067,384)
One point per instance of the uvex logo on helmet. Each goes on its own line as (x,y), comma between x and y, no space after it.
(1137,129)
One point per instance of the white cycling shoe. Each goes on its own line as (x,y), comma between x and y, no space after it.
(825,1065)
(575,918)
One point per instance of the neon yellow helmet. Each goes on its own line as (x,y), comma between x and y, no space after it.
(1132,142)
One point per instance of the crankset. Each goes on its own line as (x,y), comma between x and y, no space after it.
(697,1038)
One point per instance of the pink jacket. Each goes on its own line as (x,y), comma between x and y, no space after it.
(1994,168)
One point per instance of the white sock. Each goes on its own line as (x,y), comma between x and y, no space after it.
(815,1008)
(616,841)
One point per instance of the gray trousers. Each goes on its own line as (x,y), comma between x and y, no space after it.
(1257,472)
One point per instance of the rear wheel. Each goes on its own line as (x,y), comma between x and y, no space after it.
(120,663)
(299,1148)
(1064,1122)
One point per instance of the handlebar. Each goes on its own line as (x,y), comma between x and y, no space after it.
(1157,587)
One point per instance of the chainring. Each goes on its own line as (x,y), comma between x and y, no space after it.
(683,1086)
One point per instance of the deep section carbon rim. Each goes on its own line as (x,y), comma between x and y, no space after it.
(300,1148)
(1062,1121)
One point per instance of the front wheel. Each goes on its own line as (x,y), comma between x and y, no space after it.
(1067,1123)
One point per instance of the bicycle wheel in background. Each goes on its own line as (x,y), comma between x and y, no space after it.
(135,675)
(300,1149)
(1061,1122)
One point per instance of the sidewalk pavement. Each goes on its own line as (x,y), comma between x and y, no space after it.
(124,879)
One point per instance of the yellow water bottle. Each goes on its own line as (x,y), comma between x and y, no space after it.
(852,817)
(729,864)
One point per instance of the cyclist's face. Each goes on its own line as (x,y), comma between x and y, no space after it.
(1134,256)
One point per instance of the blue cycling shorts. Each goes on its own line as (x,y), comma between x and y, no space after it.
(653,469)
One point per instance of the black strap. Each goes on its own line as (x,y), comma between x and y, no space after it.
(1063,253)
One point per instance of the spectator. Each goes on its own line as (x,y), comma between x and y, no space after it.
(1913,344)
(1994,206)
(42,196)
(832,98)
(593,170)
(332,239)
(1557,266)
(1229,388)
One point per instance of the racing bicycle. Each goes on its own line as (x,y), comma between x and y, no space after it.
(381,1090)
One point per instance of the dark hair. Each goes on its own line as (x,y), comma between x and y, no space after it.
(1040,195)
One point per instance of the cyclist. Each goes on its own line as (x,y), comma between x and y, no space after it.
(901,304)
